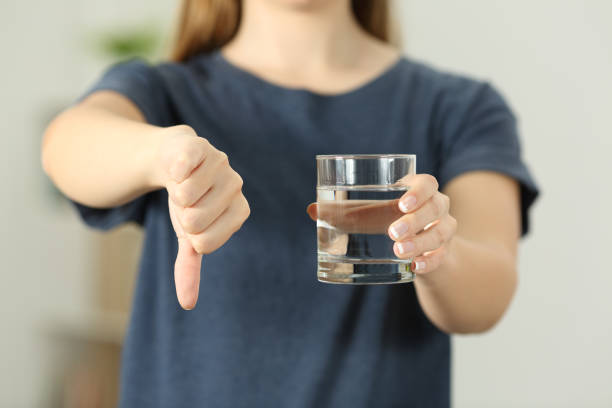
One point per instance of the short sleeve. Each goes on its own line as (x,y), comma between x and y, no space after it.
(143,85)
(480,133)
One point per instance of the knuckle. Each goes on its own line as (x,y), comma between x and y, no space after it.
(202,244)
(237,226)
(182,157)
(189,220)
(204,142)
(438,237)
(200,145)
(239,180)
(233,182)
(199,141)
(183,129)
(181,194)
(431,180)
(196,146)
(222,158)
(245,212)
(438,205)
(445,201)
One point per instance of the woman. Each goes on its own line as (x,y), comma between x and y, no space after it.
(256,89)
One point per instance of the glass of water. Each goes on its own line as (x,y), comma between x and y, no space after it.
(357,200)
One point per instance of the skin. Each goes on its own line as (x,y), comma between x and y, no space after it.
(465,272)
(311,44)
(102,153)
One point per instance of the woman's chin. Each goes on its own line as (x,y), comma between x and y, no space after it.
(301,4)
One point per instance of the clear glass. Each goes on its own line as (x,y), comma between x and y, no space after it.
(357,197)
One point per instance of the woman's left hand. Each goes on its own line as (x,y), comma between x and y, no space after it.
(426,229)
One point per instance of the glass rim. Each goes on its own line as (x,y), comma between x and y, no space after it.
(365,156)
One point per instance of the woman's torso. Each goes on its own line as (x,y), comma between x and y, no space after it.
(265,331)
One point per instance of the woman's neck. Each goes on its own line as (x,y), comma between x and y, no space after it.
(303,46)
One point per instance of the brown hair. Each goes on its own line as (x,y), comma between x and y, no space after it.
(205,25)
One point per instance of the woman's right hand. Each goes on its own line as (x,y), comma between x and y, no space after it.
(206,203)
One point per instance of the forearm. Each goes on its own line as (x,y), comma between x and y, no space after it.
(471,290)
(100,158)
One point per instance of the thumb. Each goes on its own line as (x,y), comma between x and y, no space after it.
(312,211)
(187,274)
(187,265)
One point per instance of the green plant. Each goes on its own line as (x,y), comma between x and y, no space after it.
(121,43)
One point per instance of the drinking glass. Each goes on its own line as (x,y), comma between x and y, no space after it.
(357,200)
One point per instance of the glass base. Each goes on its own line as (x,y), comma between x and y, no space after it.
(364,273)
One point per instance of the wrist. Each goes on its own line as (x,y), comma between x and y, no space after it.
(155,177)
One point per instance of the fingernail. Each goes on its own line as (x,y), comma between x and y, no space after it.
(419,266)
(398,229)
(404,247)
(407,203)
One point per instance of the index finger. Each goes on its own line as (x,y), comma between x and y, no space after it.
(356,216)
(421,187)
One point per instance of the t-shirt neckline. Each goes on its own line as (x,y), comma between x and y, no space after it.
(257,81)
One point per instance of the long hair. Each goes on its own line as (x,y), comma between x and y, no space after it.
(205,25)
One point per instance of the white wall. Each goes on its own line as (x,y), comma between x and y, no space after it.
(45,251)
(553,60)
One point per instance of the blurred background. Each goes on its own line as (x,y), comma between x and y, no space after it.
(65,292)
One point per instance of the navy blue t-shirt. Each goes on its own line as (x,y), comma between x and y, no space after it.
(265,332)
